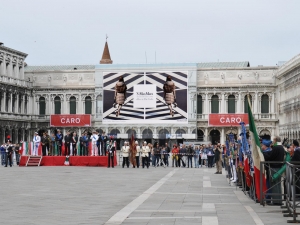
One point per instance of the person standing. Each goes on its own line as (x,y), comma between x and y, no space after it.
(137,155)
(52,144)
(196,157)
(168,150)
(156,151)
(104,139)
(190,155)
(9,152)
(74,141)
(67,143)
(111,149)
(183,155)
(125,153)
(174,156)
(3,154)
(94,139)
(218,159)
(44,140)
(82,145)
(36,143)
(59,138)
(210,156)
(276,154)
(145,155)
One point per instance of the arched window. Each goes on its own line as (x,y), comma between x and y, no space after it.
(231,104)
(147,134)
(42,104)
(265,103)
(72,105)
(131,132)
(199,104)
(246,103)
(14,97)
(88,105)
(215,104)
(57,105)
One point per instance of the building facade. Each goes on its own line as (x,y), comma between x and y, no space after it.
(30,94)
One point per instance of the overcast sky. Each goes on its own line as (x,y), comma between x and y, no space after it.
(61,32)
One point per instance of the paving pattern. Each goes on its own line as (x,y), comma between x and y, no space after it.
(93,195)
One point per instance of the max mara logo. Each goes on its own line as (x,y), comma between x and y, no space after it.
(144,93)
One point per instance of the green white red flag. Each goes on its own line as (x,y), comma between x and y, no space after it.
(256,153)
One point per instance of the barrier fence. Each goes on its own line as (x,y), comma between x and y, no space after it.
(285,182)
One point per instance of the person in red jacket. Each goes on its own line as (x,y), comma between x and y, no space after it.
(175,152)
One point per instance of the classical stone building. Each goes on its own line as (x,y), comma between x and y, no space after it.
(28,99)
(16,96)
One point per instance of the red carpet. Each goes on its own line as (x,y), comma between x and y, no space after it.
(74,161)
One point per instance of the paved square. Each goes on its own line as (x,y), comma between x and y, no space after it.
(93,195)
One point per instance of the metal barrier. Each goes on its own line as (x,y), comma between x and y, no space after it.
(292,191)
(266,196)
(290,178)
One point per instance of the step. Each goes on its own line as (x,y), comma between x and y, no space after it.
(32,164)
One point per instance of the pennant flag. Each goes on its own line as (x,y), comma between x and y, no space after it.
(257,154)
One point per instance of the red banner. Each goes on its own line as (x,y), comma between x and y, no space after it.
(225,120)
(70,120)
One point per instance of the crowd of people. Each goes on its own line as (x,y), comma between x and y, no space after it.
(73,145)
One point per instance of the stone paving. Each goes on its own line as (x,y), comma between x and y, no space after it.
(93,195)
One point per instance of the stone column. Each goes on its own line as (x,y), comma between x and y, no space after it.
(222,139)
(17,103)
(222,109)
(49,108)
(255,103)
(10,102)
(239,103)
(2,67)
(3,101)
(206,134)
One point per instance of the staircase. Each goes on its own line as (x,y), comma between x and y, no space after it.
(34,161)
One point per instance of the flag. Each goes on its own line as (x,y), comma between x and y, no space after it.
(256,153)
(132,150)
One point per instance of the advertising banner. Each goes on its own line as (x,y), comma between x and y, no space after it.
(225,120)
(70,120)
(145,97)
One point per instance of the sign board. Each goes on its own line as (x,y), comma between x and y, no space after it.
(70,120)
(145,97)
(225,120)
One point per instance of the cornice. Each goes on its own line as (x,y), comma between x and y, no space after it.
(12,51)
(239,68)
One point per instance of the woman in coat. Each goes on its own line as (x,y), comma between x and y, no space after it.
(120,94)
(170,94)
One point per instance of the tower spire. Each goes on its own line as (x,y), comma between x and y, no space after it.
(106,56)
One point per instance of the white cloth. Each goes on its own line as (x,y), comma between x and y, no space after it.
(36,143)
(138,150)
(145,151)
(125,151)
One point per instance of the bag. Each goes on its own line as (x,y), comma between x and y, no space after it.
(121,89)
(168,88)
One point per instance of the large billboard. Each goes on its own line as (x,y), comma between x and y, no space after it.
(145,97)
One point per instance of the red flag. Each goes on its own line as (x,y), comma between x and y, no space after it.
(247,172)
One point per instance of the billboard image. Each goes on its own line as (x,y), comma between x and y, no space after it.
(139,97)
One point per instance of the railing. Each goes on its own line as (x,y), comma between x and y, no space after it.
(15,81)
(291,179)
(292,190)
(199,116)
(265,195)
(14,116)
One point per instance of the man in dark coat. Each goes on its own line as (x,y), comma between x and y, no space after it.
(276,154)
